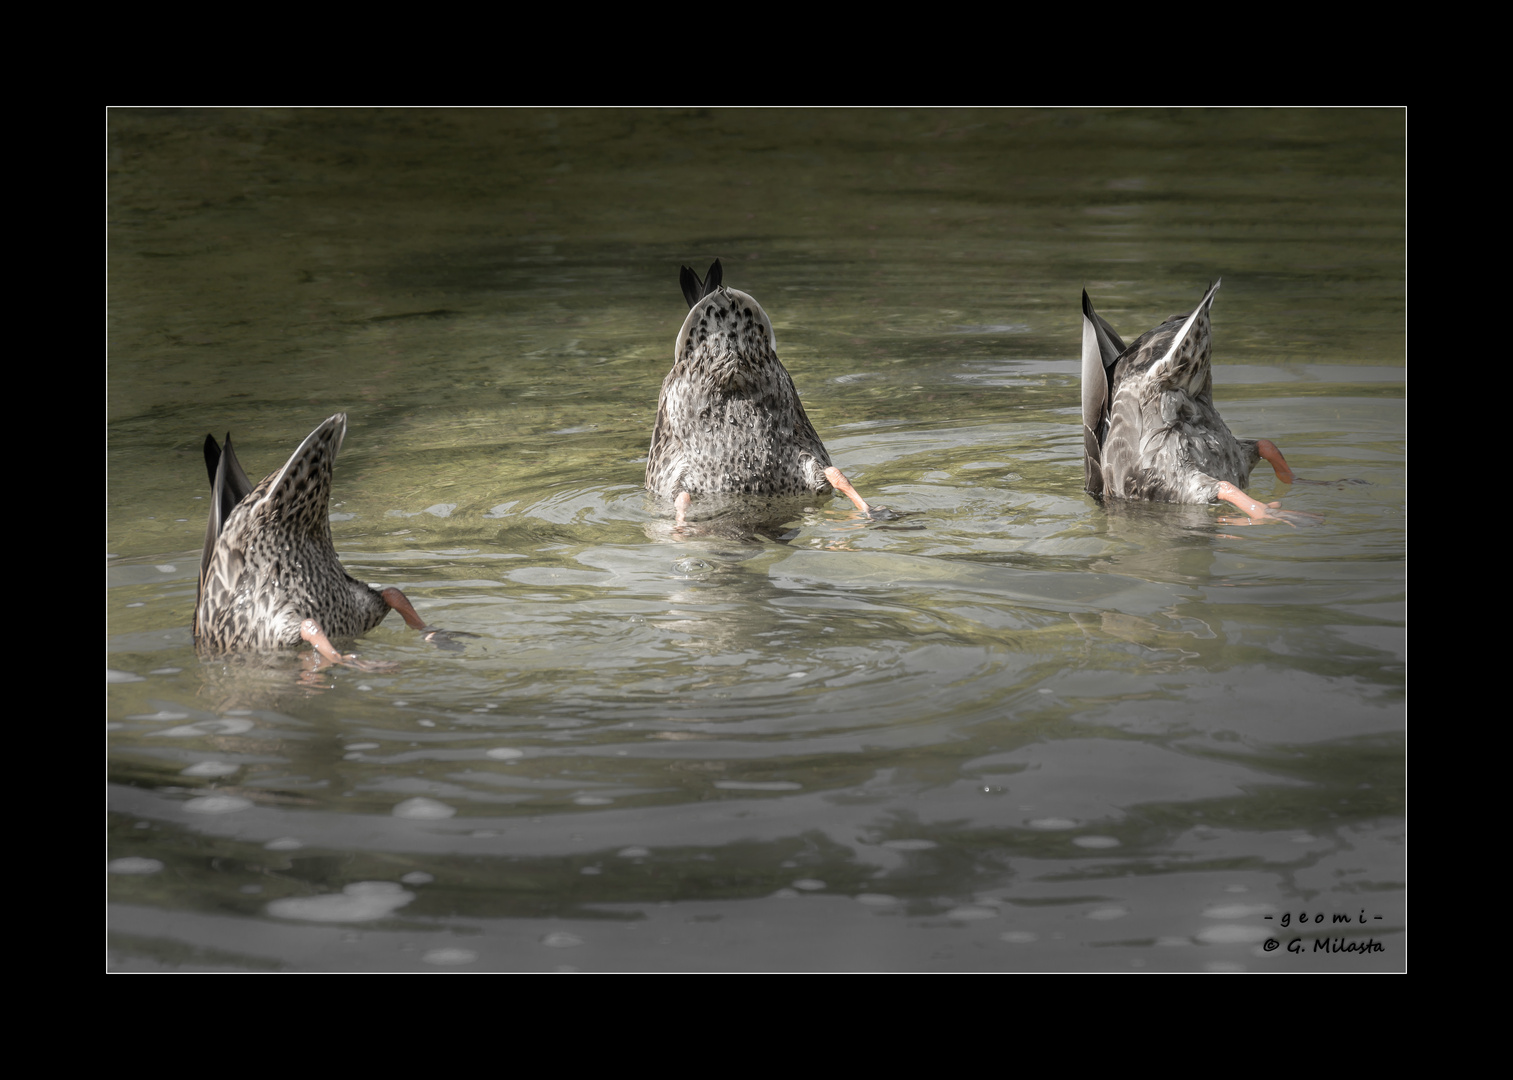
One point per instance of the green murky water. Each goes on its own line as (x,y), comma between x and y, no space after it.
(1014,729)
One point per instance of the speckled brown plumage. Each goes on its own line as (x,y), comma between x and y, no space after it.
(1150,428)
(729,421)
(269,563)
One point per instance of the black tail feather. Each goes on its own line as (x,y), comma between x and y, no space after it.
(695,288)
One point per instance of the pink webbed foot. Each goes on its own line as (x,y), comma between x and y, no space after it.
(840,483)
(310,631)
(1256,512)
(681,505)
(401,603)
(1269,451)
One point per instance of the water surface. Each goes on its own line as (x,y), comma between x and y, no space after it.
(1013,729)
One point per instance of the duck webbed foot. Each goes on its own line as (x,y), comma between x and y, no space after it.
(310,631)
(681,505)
(1256,512)
(401,603)
(1268,450)
(840,483)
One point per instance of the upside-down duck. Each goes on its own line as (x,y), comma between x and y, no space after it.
(1149,427)
(269,575)
(729,421)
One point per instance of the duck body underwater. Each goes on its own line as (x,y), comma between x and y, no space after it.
(269,575)
(1150,428)
(729,420)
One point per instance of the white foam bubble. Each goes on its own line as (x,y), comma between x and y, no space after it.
(210,768)
(450,956)
(633,852)
(1052,824)
(504,753)
(133,864)
(1233,934)
(418,877)
(1107,914)
(1236,911)
(561,939)
(217,804)
(362,901)
(423,809)
(592,800)
(111,675)
(971,913)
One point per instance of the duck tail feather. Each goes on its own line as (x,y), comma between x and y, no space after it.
(1187,328)
(1100,350)
(693,286)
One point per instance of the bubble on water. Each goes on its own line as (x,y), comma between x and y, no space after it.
(561,939)
(284,843)
(210,768)
(362,746)
(592,800)
(418,877)
(423,809)
(217,804)
(166,568)
(1237,911)
(112,675)
(504,753)
(1052,824)
(633,852)
(450,956)
(1232,934)
(362,901)
(971,913)
(133,864)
